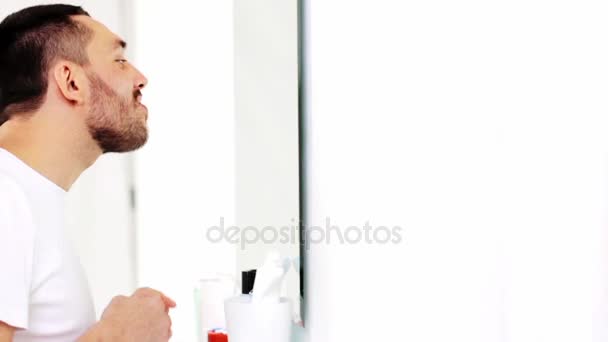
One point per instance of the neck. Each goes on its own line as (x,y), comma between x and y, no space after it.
(58,149)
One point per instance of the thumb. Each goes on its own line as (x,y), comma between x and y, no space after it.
(169,303)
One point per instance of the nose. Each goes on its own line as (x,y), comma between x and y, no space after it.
(141,81)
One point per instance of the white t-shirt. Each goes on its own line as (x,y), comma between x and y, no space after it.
(43,289)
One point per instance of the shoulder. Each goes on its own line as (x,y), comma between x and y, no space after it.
(7,183)
(11,193)
(17,245)
(15,212)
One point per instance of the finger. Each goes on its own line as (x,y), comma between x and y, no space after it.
(169,303)
(145,292)
(149,292)
(118,299)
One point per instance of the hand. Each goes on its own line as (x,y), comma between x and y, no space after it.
(142,317)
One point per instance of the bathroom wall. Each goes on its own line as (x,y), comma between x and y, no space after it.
(480,128)
(185,174)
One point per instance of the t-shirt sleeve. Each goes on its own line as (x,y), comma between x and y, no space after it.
(16,254)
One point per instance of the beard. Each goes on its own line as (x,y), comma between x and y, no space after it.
(115,122)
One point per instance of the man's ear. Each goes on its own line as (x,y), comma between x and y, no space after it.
(70,81)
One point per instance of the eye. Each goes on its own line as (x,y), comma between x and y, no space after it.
(121,61)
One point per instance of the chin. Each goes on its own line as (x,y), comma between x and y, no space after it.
(142,112)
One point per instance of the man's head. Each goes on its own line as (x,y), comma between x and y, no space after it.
(57,57)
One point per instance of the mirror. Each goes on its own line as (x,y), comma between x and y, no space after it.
(267,135)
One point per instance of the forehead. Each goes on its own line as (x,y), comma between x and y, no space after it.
(103,39)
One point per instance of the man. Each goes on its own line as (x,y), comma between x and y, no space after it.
(67,95)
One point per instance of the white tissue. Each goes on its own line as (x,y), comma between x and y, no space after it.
(269,277)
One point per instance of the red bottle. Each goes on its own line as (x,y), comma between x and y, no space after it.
(217,336)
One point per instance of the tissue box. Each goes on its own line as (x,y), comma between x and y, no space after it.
(264,321)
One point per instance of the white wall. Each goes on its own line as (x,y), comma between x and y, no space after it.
(185,174)
(480,127)
(98,214)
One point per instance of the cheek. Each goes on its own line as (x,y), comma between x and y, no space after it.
(120,85)
(124,95)
(122,88)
